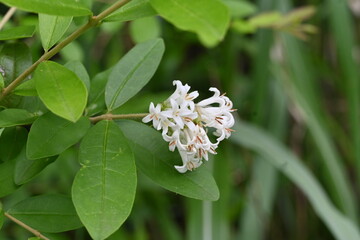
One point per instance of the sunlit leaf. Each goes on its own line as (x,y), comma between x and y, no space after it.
(132,72)
(61,90)
(133,10)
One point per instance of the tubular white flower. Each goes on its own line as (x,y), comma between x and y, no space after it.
(184,123)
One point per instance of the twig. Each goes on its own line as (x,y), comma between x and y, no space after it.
(95,20)
(7,16)
(23,225)
(109,116)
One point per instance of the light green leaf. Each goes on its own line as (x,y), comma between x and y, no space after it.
(132,72)
(79,69)
(15,58)
(61,90)
(155,160)
(52,28)
(51,7)
(267,19)
(104,188)
(240,9)
(51,135)
(13,117)
(133,10)
(144,29)
(47,213)
(209,19)
(11,142)
(2,82)
(274,152)
(27,88)
(17,32)
(26,170)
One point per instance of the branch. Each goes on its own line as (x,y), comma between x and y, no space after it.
(23,225)
(109,116)
(93,21)
(7,17)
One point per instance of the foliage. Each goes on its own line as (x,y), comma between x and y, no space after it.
(71,169)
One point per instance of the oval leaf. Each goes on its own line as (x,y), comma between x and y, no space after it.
(47,213)
(17,32)
(133,10)
(79,69)
(13,117)
(156,161)
(27,88)
(271,150)
(132,72)
(52,28)
(52,7)
(61,90)
(104,189)
(51,135)
(209,19)
(15,58)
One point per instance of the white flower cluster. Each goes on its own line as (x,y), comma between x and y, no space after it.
(184,123)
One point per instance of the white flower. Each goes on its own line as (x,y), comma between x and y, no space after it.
(184,123)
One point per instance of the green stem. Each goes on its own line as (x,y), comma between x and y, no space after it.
(110,116)
(23,225)
(93,21)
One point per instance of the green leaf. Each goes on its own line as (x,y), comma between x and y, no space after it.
(47,213)
(133,10)
(144,29)
(26,170)
(132,72)
(104,188)
(2,83)
(209,19)
(61,90)
(15,58)
(274,152)
(51,7)
(52,28)
(51,135)
(240,9)
(267,19)
(97,93)
(17,32)
(27,88)
(13,117)
(11,142)
(78,68)
(2,216)
(155,160)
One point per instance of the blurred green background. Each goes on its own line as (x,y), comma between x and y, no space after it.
(302,89)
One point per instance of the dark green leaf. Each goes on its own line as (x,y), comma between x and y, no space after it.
(47,213)
(133,10)
(13,117)
(11,142)
(52,28)
(104,188)
(209,19)
(2,217)
(132,72)
(52,7)
(61,90)
(156,161)
(26,170)
(17,32)
(15,58)
(51,135)
(97,93)
(78,68)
